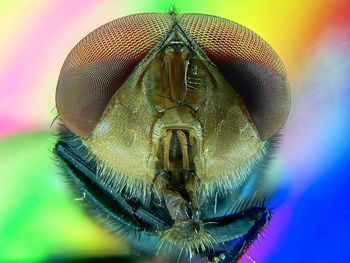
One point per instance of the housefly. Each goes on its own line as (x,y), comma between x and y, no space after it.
(168,121)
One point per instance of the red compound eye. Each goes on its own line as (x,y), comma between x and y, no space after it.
(100,63)
(103,60)
(248,63)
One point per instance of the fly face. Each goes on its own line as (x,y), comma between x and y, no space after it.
(169,120)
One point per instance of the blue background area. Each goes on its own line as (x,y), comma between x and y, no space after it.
(319,227)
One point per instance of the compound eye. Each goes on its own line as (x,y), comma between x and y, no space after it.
(249,64)
(100,63)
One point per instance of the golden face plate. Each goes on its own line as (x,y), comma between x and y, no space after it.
(176,89)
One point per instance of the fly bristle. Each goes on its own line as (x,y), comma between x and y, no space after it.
(197,243)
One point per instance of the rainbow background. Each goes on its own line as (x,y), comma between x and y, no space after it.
(39,218)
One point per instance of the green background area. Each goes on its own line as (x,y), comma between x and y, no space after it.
(39,217)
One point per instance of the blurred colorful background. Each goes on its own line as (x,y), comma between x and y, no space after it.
(39,218)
